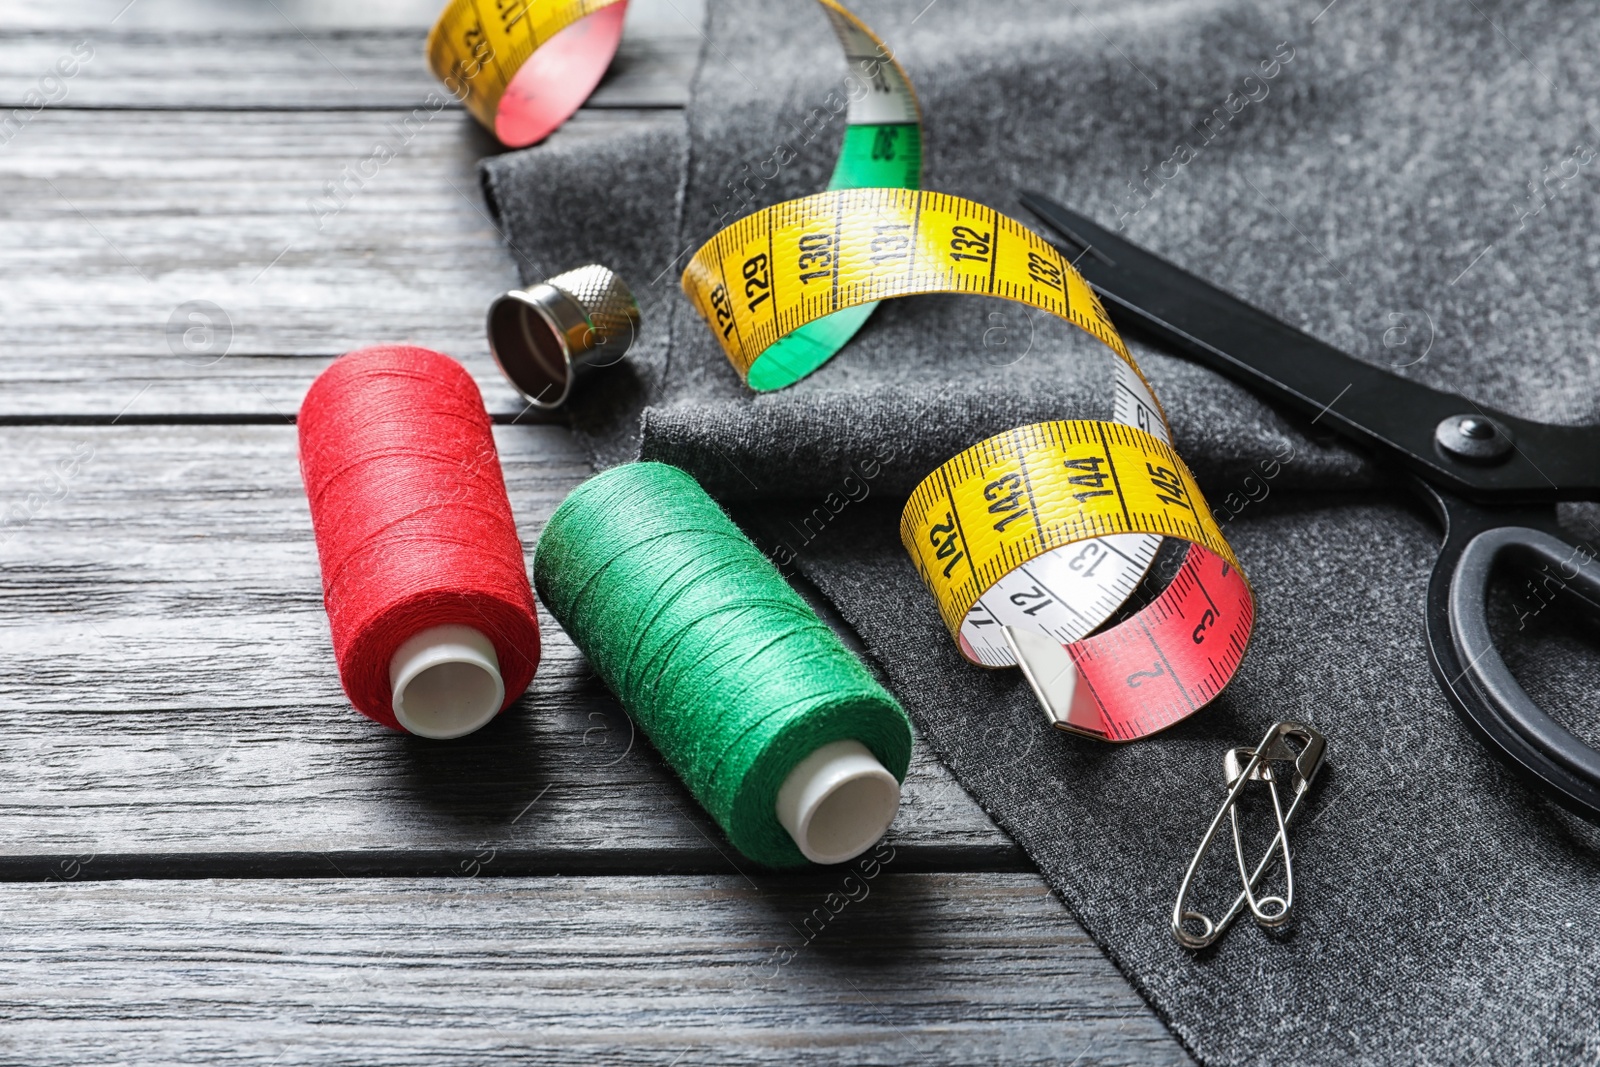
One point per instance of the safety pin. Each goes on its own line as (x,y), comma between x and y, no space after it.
(1272,910)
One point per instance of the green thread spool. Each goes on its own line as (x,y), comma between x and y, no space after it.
(745,691)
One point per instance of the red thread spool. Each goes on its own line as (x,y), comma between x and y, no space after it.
(433,620)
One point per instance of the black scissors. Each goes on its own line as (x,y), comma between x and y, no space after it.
(1492,479)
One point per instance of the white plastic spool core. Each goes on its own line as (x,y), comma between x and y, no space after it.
(837,802)
(446,682)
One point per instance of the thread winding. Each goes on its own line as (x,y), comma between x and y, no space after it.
(413,526)
(729,672)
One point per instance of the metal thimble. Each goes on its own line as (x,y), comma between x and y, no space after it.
(545,337)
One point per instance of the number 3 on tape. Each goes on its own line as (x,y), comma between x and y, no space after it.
(1038,536)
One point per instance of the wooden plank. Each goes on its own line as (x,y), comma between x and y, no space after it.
(170,702)
(110,222)
(164,672)
(109,16)
(645,17)
(285,69)
(935,969)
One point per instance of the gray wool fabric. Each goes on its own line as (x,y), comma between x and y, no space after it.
(1413,183)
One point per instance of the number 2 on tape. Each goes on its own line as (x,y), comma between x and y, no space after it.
(987,518)
(1046,529)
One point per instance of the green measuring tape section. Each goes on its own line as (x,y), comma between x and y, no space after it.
(879,157)
(875,155)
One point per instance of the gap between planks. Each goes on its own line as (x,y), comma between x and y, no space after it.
(171,703)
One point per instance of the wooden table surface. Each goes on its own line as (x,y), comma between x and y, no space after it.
(206,855)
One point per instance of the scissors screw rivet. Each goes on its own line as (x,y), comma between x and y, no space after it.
(1475,438)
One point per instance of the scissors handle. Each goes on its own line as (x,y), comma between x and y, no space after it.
(1406,421)
(1470,668)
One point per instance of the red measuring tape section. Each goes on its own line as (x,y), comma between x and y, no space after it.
(1168,661)
(1020,531)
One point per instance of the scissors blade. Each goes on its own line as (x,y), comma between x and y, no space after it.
(1367,405)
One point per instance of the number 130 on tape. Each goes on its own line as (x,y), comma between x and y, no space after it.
(1032,541)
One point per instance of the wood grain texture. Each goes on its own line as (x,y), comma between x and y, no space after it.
(238,19)
(646,18)
(283,69)
(932,969)
(167,687)
(111,221)
(171,704)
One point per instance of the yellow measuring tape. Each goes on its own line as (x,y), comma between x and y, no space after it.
(776,270)
(1048,527)
(1046,530)
(881,148)
(522,67)
(1042,487)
